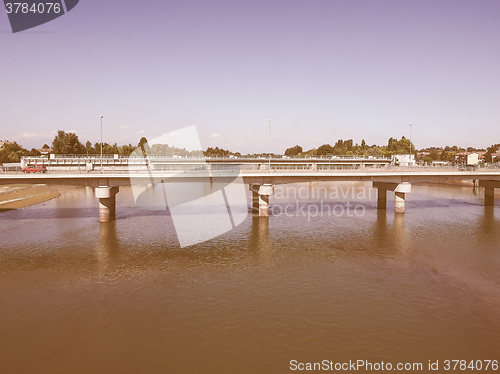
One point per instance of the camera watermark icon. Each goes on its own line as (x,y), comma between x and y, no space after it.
(205,200)
(26,14)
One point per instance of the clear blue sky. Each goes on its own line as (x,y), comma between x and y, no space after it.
(319,69)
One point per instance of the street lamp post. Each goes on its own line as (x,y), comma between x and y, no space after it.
(269,146)
(410,145)
(101,142)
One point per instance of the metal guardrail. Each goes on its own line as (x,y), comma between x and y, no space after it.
(264,168)
(225,158)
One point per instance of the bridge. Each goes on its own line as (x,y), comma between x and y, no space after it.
(117,163)
(261,181)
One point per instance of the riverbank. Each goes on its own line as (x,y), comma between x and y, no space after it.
(20,196)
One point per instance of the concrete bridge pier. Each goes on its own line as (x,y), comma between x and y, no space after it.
(399,202)
(489,191)
(489,196)
(399,196)
(255,198)
(381,198)
(107,202)
(260,199)
(400,191)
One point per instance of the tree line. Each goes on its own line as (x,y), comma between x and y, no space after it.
(394,146)
(68,143)
(349,148)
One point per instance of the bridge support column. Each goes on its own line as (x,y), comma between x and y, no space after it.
(399,202)
(265,191)
(255,199)
(107,202)
(400,189)
(263,205)
(399,196)
(489,196)
(489,191)
(381,198)
(260,199)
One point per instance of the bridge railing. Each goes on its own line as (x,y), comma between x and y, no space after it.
(256,168)
(190,157)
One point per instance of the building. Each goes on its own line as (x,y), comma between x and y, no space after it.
(44,151)
(467,158)
(422,154)
(495,157)
(403,160)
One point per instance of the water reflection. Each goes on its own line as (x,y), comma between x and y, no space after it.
(487,229)
(475,190)
(259,238)
(89,196)
(108,247)
(268,291)
(401,239)
(390,239)
(380,234)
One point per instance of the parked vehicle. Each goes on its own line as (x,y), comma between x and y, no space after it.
(34,169)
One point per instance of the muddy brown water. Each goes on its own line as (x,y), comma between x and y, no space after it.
(77,296)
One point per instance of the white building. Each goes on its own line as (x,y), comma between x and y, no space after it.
(403,160)
(473,159)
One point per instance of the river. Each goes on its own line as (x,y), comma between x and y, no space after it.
(309,284)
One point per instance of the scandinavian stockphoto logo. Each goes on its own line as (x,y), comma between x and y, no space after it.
(26,14)
(170,173)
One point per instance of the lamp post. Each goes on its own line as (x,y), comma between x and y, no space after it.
(410,145)
(101,142)
(269,145)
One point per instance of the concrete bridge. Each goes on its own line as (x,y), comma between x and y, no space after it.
(116,163)
(262,182)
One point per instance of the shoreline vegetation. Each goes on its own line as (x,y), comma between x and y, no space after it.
(21,195)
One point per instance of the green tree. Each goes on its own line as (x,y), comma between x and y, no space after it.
(324,150)
(89,149)
(434,155)
(395,146)
(374,151)
(67,144)
(427,160)
(488,158)
(142,141)
(446,156)
(107,149)
(126,150)
(214,152)
(34,152)
(142,145)
(12,152)
(293,151)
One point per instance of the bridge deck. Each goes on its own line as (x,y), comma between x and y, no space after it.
(251,176)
